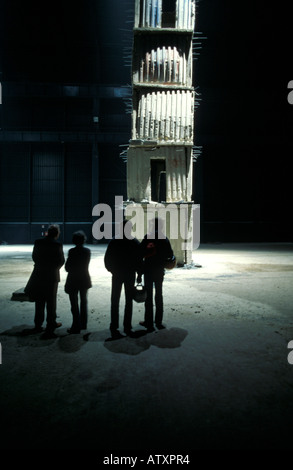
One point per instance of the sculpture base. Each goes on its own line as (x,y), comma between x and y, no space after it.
(177,222)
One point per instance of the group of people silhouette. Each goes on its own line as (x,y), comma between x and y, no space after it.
(125,258)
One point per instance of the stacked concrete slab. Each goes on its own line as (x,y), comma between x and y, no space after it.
(159,156)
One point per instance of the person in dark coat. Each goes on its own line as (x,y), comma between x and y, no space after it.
(78,281)
(122,259)
(48,257)
(156,250)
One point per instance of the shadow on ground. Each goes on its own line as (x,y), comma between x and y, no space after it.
(141,341)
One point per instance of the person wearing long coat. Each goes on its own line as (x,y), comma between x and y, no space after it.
(78,281)
(42,286)
(156,250)
(122,259)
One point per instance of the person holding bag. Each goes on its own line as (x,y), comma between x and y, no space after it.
(157,252)
(122,259)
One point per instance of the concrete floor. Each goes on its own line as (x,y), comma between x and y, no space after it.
(217,377)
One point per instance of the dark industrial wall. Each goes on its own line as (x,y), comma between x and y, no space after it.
(42,184)
(64,85)
(244,122)
(63,115)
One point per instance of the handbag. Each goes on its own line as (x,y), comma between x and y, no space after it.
(139,293)
(170,263)
(32,287)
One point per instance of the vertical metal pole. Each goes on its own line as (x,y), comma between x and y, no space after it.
(159,115)
(138,13)
(159,13)
(172,151)
(143,13)
(156,6)
(189,14)
(95,174)
(186,2)
(155,115)
(163,115)
(142,115)
(153,61)
(64,193)
(147,115)
(181,14)
(152,13)
(147,19)
(168,114)
(30,170)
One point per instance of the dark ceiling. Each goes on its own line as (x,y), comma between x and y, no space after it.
(64,41)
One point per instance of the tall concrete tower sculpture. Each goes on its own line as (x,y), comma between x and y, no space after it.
(159,156)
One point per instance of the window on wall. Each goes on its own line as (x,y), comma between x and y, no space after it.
(157,13)
(150,13)
(158,179)
(168,13)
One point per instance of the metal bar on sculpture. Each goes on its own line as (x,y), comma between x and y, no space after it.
(146,117)
(164,109)
(168,111)
(181,14)
(190,15)
(158,64)
(173,115)
(143,111)
(143,13)
(159,20)
(153,114)
(185,9)
(158,115)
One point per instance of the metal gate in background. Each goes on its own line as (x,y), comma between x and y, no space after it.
(43,183)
